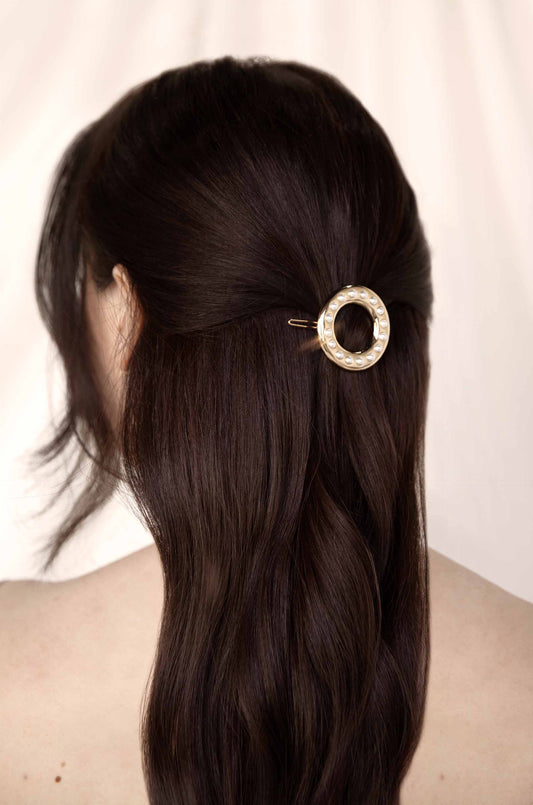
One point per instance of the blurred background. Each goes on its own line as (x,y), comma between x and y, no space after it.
(451,82)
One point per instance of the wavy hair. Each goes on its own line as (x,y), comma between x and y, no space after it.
(285,495)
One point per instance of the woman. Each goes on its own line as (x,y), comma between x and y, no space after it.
(273,645)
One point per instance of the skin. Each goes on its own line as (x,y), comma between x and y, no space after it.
(114,319)
(75,659)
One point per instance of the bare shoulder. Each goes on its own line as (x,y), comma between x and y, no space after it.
(478,728)
(476,618)
(75,657)
(74,660)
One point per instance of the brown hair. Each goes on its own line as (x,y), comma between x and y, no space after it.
(285,495)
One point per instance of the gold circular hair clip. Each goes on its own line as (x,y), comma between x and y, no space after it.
(325,326)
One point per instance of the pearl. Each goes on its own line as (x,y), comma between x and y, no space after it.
(359,361)
(379,310)
(373,300)
(348,359)
(329,317)
(382,336)
(352,293)
(378,347)
(332,344)
(383,322)
(339,354)
(328,331)
(334,306)
(363,294)
(370,356)
(341,297)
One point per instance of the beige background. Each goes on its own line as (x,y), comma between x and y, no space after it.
(452,84)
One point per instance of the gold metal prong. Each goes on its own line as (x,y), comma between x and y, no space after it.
(303,323)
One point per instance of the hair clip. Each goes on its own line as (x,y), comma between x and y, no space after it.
(325,326)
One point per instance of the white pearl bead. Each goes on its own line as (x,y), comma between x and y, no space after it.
(382,336)
(379,310)
(378,347)
(373,300)
(352,293)
(349,360)
(383,322)
(370,356)
(341,297)
(334,306)
(329,317)
(363,294)
(359,361)
(339,354)
(332,344)
(328,331)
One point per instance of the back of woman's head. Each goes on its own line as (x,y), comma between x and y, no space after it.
(285,494)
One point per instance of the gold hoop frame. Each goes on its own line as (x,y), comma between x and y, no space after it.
(325,326)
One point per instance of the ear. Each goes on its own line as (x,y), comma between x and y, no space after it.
(130,318)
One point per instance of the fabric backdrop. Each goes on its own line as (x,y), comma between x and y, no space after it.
(452,84)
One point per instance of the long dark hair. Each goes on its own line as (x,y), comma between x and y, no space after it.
(285,494)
